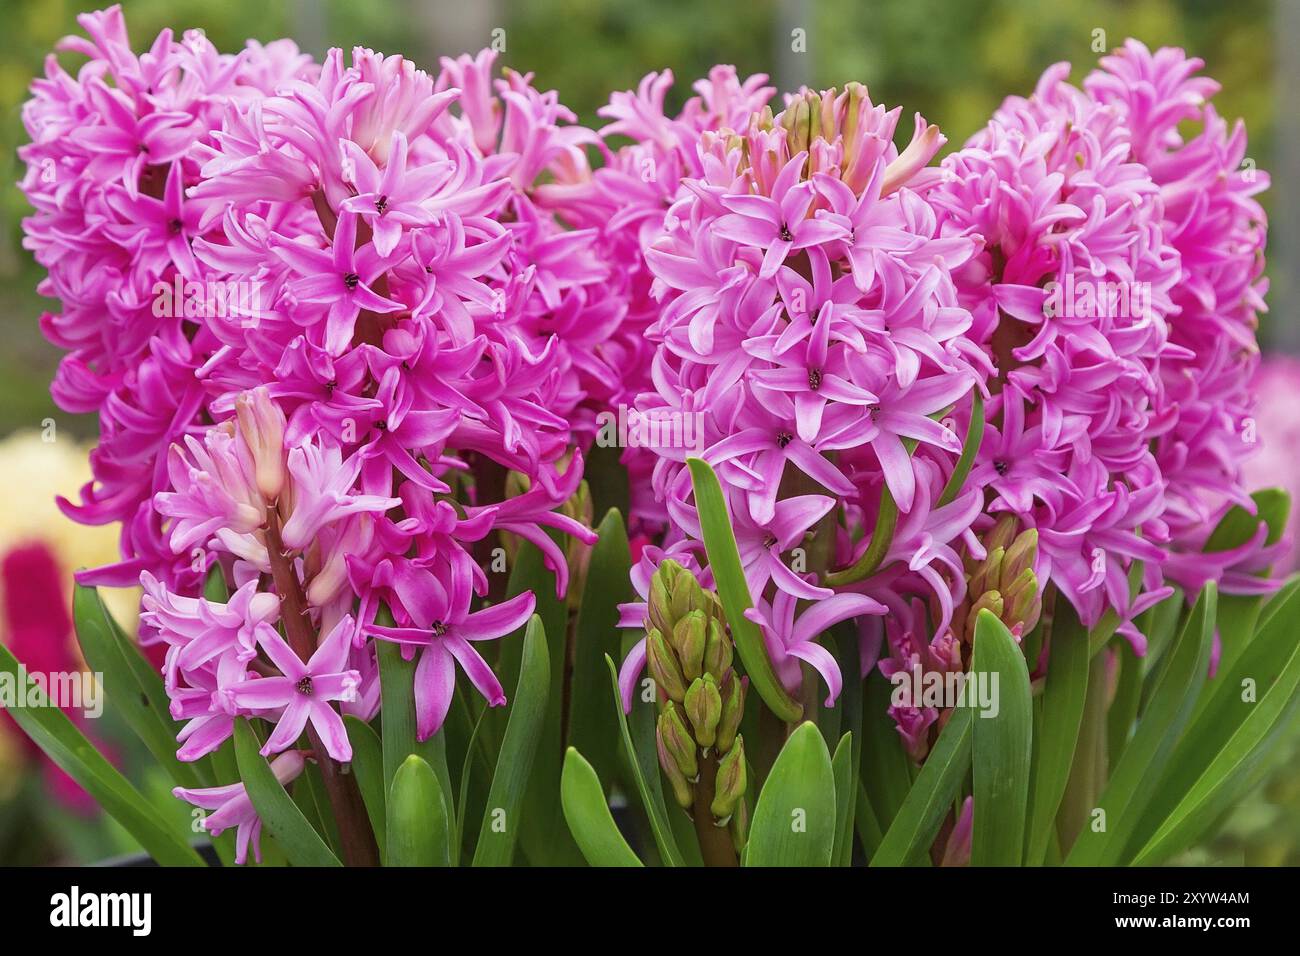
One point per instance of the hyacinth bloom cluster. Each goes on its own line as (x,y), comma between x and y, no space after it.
(349,326)
(810,323)
(322,310)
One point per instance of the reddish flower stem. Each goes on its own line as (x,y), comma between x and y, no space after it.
(355,834)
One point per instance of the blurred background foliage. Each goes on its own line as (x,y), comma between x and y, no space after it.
(952,60)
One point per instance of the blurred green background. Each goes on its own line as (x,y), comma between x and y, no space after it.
(951,60)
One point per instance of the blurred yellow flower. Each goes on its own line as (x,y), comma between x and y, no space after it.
(33,471)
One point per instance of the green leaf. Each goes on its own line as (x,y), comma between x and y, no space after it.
(543,836)
(850,707)
(52,731)
(1136,776)
(1238,613)
(281,818)
(645,774)
(1233,769)
(419,823)
(368,767)
(931,796)
(733,591)
(886,767)
(588,816)
(1002,747)
(505,804)
(214,586)
(1227,726)
(136,693)
(608,584)
(397,720)
(795,822)
(1063,698)
(969,449)
(846,792)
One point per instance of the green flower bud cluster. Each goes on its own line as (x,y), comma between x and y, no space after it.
(701,697)
(1004,582)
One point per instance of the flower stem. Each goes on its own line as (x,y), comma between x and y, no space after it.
(715,841)
(355,834)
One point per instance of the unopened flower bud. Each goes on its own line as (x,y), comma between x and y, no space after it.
(687,595)
(1001,534)
(795,120)
(989,600)
(739,826)
(689,641)
(987,573)
(678,742)
(703,706)
(718,654)
(663,665)
(261,426)
(683,792)
(659,604)
(1022,602)
(732,694)
(1019,558)
(729,789)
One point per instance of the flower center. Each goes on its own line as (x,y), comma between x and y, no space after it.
(786,234)
(351,280)
(1001,466)
(381,204)
(438,628)
(783,438)
(176,226)
(814,378)
(304,686)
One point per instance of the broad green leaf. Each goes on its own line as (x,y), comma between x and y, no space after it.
(310,797)
(645,774)
(1088,769)
(846,792)
(733,591)
(794,822)
(931,796)
(462,800)
(588,816)
(397,700)
(609,584)
(136,693)
(850,707)
(1136,776)
(1002,747)
(1062,714)
(53,731)
(886,767)
(281,818)
(543,836)
(1232,770)
(505,804)
(368,767)
(1231,705)
(866,824)
(419,823)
